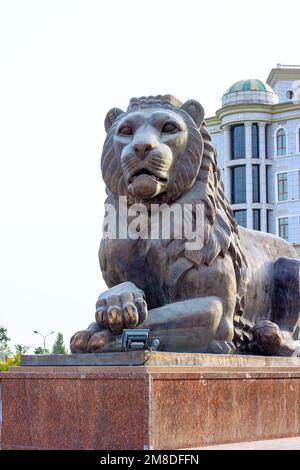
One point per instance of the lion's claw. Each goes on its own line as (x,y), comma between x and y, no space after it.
(79,341)
(98,342)
(121,307)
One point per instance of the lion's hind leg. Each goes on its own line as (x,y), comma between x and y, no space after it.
(281,335)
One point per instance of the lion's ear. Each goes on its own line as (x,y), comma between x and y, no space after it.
(195,110)
(112,114)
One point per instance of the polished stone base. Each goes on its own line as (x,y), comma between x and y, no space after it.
(157,358)
(154,407)
(286,443)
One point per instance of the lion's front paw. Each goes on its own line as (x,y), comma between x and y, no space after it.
(95,340)
(79,341)
(99,342)
(122,306)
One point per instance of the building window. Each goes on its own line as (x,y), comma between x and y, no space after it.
(256,219)
(283,228)
(267,126)
(267,184)
(281,142)
(238,185)
(255,142)
(255,183)
(238,141)
(290,94)
(269,216)
(282,187)
(241,217)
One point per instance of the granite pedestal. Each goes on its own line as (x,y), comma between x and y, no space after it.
(154,406)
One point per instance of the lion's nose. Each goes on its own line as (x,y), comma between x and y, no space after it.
(142,149)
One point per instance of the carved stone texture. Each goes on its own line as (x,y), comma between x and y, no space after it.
(234,290)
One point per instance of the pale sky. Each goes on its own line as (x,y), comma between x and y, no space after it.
(63,65)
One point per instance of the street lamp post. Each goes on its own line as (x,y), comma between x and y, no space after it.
(44,337)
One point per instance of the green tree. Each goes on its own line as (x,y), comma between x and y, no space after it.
(58,346)
(41,350)
(10,362)
(4,339)
(21,349)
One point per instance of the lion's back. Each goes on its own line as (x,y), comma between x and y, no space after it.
(265,245)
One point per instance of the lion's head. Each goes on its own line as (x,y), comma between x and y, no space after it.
(153,151)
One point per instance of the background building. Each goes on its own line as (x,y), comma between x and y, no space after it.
(257,136)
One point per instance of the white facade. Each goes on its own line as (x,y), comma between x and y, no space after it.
(257,137)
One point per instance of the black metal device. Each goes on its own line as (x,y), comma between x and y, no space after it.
(135,339)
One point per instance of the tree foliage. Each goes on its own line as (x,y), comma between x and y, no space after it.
(58,346)
(10,361)
(21,349)
(41,350)
(4,340)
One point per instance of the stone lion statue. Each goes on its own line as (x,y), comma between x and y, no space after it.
(238,292)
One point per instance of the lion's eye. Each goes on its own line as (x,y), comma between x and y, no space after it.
(169,128)
(125,130)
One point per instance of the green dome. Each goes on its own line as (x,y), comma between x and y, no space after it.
(249,85)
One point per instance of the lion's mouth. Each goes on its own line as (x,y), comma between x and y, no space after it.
(144,184)
(144,172)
